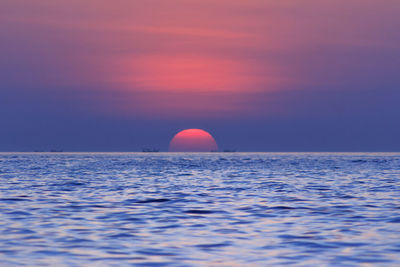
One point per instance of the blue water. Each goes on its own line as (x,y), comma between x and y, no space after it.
(217,209)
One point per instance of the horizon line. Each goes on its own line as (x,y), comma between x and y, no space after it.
(201,152)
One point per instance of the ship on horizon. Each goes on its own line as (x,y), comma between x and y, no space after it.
(146,149)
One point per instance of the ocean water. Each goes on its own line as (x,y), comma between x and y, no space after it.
(205,209)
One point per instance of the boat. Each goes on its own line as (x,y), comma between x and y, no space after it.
(146,149)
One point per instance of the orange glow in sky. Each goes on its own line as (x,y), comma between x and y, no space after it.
(185,73)
(183,58)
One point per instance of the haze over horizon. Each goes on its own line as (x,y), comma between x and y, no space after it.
(258,75)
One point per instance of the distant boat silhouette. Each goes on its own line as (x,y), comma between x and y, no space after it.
(229,150)
(146,149)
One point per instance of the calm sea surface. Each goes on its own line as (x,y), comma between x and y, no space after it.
(217,209)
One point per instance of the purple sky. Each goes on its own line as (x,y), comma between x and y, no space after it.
(259,75)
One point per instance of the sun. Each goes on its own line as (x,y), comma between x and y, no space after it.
(193,140)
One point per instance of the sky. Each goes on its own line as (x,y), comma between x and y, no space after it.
(259,75)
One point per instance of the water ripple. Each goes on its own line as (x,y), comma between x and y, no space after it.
(236,209)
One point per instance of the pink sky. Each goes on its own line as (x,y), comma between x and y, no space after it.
(191,58)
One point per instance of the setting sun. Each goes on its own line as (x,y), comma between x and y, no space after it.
(193,140)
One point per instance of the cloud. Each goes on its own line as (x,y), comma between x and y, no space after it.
(197,58)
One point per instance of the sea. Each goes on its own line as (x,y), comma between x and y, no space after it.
(199,209)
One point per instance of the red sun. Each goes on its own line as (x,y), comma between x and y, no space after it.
(193,140)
